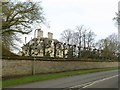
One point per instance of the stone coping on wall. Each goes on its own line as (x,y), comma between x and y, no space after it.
(57,59)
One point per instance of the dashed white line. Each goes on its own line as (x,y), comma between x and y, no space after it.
(99,81)
(80,85)
(85,85)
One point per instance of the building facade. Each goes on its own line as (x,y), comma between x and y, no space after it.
(41,46)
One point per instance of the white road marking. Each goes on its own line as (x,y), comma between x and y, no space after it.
(93,82)
(99,81)
(80,85)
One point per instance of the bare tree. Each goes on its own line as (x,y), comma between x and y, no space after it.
(90,38)
(117,18)
(109,46)
(78,35)
(113,42)
(77,38)
(80,39)
(17,17)
(84,37)
(66,36)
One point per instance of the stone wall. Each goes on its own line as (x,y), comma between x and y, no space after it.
(25,67)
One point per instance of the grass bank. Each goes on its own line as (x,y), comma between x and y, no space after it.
(29,79)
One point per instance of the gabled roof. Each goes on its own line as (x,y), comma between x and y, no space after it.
(35,39)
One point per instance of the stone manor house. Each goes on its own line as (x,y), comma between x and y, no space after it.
(49,47)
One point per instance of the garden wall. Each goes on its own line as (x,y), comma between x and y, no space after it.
(25,67)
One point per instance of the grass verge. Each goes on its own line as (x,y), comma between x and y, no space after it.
(29,79)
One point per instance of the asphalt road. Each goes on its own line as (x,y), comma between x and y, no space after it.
(106,79)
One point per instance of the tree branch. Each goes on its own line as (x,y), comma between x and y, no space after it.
(11,30)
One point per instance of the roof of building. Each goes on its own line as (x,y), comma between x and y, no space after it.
(44,39)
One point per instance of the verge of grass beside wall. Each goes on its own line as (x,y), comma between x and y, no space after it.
(29,79)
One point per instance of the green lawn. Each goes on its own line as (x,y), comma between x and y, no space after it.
(0,84)
(28,79)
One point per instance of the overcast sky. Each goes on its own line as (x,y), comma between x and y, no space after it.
(96,15)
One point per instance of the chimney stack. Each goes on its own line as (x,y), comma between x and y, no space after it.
(39,34)
(50,35)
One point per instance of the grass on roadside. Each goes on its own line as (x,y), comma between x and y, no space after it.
(29,79)
(0,84)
